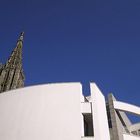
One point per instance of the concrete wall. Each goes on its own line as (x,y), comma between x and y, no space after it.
(45,112)
(127,107)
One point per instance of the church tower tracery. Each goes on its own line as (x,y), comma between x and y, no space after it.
(11,74)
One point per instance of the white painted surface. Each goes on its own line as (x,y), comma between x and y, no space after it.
(54,112)
(86,107)
(126,107)
(101,129)
(45,112)
(82,125)
(87,138)
(129,137)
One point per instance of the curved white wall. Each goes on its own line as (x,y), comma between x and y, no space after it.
(45,112)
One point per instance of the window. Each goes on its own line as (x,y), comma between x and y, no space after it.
(88,125)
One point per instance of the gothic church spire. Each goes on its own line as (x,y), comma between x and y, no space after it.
(11,74)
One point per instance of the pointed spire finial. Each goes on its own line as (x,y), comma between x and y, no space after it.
(21,36)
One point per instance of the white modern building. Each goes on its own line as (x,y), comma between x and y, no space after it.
(61,112)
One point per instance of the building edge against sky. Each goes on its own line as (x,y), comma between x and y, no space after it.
(60,111)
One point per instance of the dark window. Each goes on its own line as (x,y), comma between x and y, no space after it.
(88,125)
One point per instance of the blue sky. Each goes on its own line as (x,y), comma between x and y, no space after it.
(76,40)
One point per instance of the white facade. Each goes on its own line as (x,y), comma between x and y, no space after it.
(61,112)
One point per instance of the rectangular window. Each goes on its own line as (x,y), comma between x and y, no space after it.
(88,125)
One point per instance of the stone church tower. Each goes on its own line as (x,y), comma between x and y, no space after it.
(11,74)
